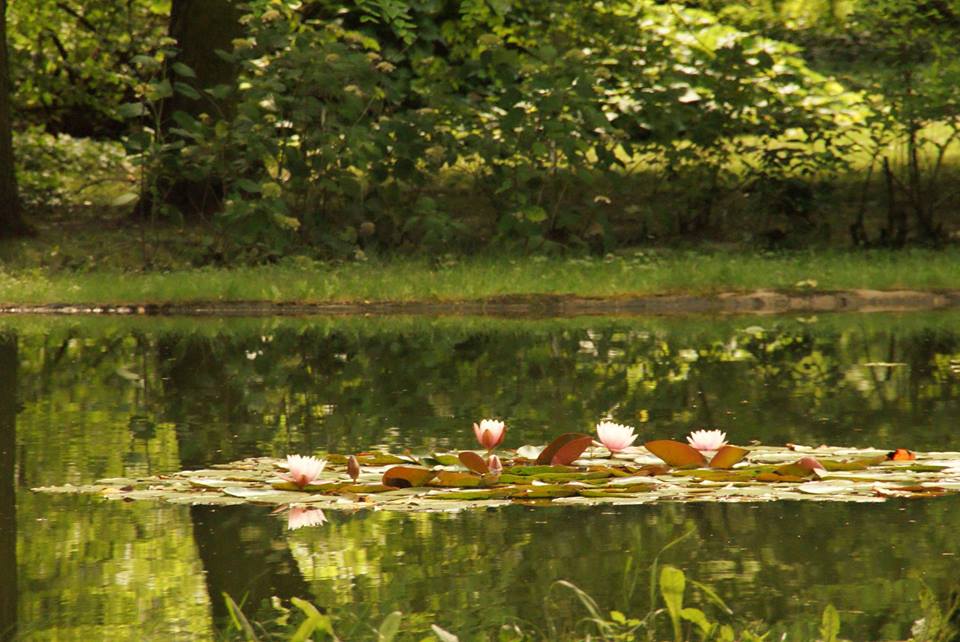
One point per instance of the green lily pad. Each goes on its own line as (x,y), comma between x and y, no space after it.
(455,479)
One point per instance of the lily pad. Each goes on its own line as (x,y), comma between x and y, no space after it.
(727,456)
(571,451)
(407,476)
(548,454)
(473,461)
(676,453)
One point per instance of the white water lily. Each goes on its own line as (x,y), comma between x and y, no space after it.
(615,437)
(303,470)
(707,439)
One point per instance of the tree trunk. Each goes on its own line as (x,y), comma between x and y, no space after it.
(11,223)
(8,496)
(200,27)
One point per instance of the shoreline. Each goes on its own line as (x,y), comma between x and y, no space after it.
(757,302)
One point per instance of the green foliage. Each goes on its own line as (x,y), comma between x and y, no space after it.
(529,104)
(54,170)
(911,73)
(382,125)
(72,62)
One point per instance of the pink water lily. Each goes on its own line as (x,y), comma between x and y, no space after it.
(707,439)
(490,433)
(299,517)
(615,437)
(494,465)
(303,470)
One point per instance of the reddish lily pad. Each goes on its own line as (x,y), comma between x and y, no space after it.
(473,461)
(407,476)
(727,456)
(675,453)
(547,455)
(571,451)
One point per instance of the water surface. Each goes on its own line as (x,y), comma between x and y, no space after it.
(85,399)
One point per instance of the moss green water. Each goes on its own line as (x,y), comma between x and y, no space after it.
(110,397)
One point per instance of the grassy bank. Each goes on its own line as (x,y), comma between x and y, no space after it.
(628,274)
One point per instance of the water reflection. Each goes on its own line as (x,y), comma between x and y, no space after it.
(8,467)
(101,398)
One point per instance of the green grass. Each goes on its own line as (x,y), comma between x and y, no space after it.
(629,274)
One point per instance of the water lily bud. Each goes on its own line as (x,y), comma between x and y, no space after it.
(493,463)
(353,468)
(811,464)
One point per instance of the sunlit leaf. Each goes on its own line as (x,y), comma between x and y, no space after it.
(727,456)
(442,635)
(672,586)
(389,627)
(829,624)
(125,199)
(697,617)
(676,453)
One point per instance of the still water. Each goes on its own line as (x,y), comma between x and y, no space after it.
(85,399)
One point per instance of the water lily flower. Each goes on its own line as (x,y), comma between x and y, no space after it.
(615,437)
(490,433)
(299,517)
(707,439)
(493,463)
(303,470)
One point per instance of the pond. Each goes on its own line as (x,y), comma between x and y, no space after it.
(83,399)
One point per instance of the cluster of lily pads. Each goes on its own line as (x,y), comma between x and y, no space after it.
(563,451)
(574,468)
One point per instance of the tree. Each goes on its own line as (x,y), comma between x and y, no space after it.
(201,29)
(11,223)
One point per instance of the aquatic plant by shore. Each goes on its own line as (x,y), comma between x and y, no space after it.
(707,617)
